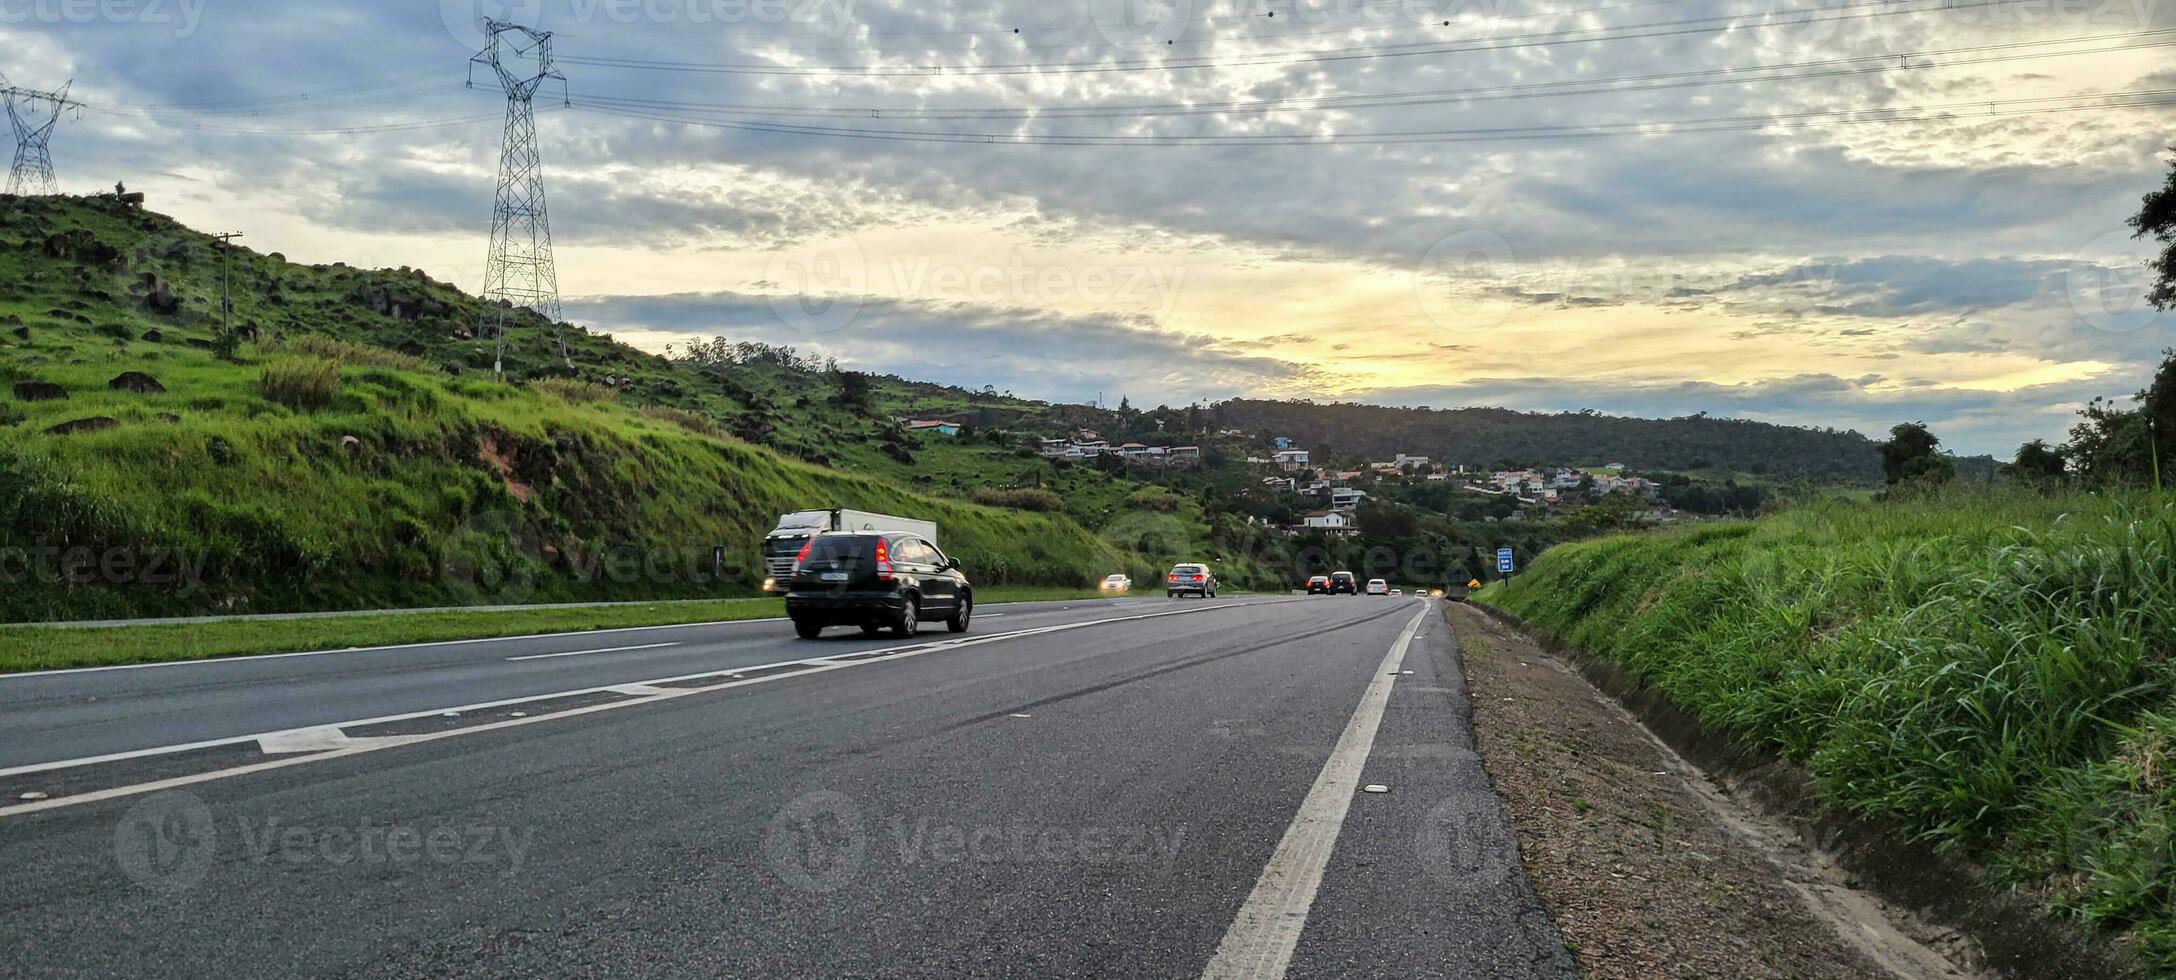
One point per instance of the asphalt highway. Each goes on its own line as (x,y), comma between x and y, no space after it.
(1241,787)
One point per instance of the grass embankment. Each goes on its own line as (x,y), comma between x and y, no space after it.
(1988,669)
(356,453)
(47,647)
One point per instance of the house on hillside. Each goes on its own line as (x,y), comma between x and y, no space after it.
(938,426)
(1290,460)
(1330,522)
(1346,499)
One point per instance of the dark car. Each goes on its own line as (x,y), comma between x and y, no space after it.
(1343,583)
(876,580)
(1318,585)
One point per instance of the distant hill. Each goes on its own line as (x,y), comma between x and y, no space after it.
(1488,436)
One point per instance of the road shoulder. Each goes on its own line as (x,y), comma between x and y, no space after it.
(1649,868)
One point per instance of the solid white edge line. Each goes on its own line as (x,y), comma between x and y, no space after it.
(250,657)
(813,665)
(578,653)
(1259,944)
(254,657)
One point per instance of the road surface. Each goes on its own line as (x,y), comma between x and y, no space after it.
(1138,788)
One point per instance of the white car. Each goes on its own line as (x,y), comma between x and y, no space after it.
(1377,586)
(1397,592)
(1116,585)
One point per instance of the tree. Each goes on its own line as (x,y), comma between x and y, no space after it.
(2157,217)
(2111,445)
(2038,462)
(2158,401)
(854,388)
(1914,455)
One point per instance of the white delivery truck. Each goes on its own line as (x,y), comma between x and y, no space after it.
(793,530)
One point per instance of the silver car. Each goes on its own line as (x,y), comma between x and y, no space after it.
(1190,578)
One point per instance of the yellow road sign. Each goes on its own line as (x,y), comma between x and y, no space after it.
(1473,583)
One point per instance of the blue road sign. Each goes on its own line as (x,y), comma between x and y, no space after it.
(1503,560)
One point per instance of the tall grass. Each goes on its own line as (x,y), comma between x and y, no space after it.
(1989,669)
(301,383)
(310,345)
(570,390)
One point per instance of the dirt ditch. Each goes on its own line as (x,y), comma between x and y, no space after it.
(1650,868)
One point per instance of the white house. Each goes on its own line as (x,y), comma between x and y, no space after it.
(1291,459)
(1346,498)
(1331,521)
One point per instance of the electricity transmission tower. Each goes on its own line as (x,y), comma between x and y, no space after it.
(519,272)
(33,169)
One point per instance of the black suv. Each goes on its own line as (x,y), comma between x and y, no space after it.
(875,580)
(1342,582)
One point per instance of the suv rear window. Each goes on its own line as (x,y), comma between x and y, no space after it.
(831,547)
(1186,569)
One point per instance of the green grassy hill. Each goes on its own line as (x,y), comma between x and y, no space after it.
(1989,668)
(355,450)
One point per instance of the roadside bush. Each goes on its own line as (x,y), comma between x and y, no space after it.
(1040,501)
(303,384)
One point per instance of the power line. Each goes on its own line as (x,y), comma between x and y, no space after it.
(1796,71)
(364,130)
(1944,112)
(788,39)
(1854,10)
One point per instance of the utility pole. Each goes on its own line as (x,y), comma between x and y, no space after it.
(519,273)
(33,170)
(227,341)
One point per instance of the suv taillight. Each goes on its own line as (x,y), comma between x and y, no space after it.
(883,561)
(802,555)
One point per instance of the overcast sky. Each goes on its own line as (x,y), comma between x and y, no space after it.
(1833,252)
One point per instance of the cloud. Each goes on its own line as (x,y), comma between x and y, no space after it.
(1967,420)
(1025,351)
(1902,245)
